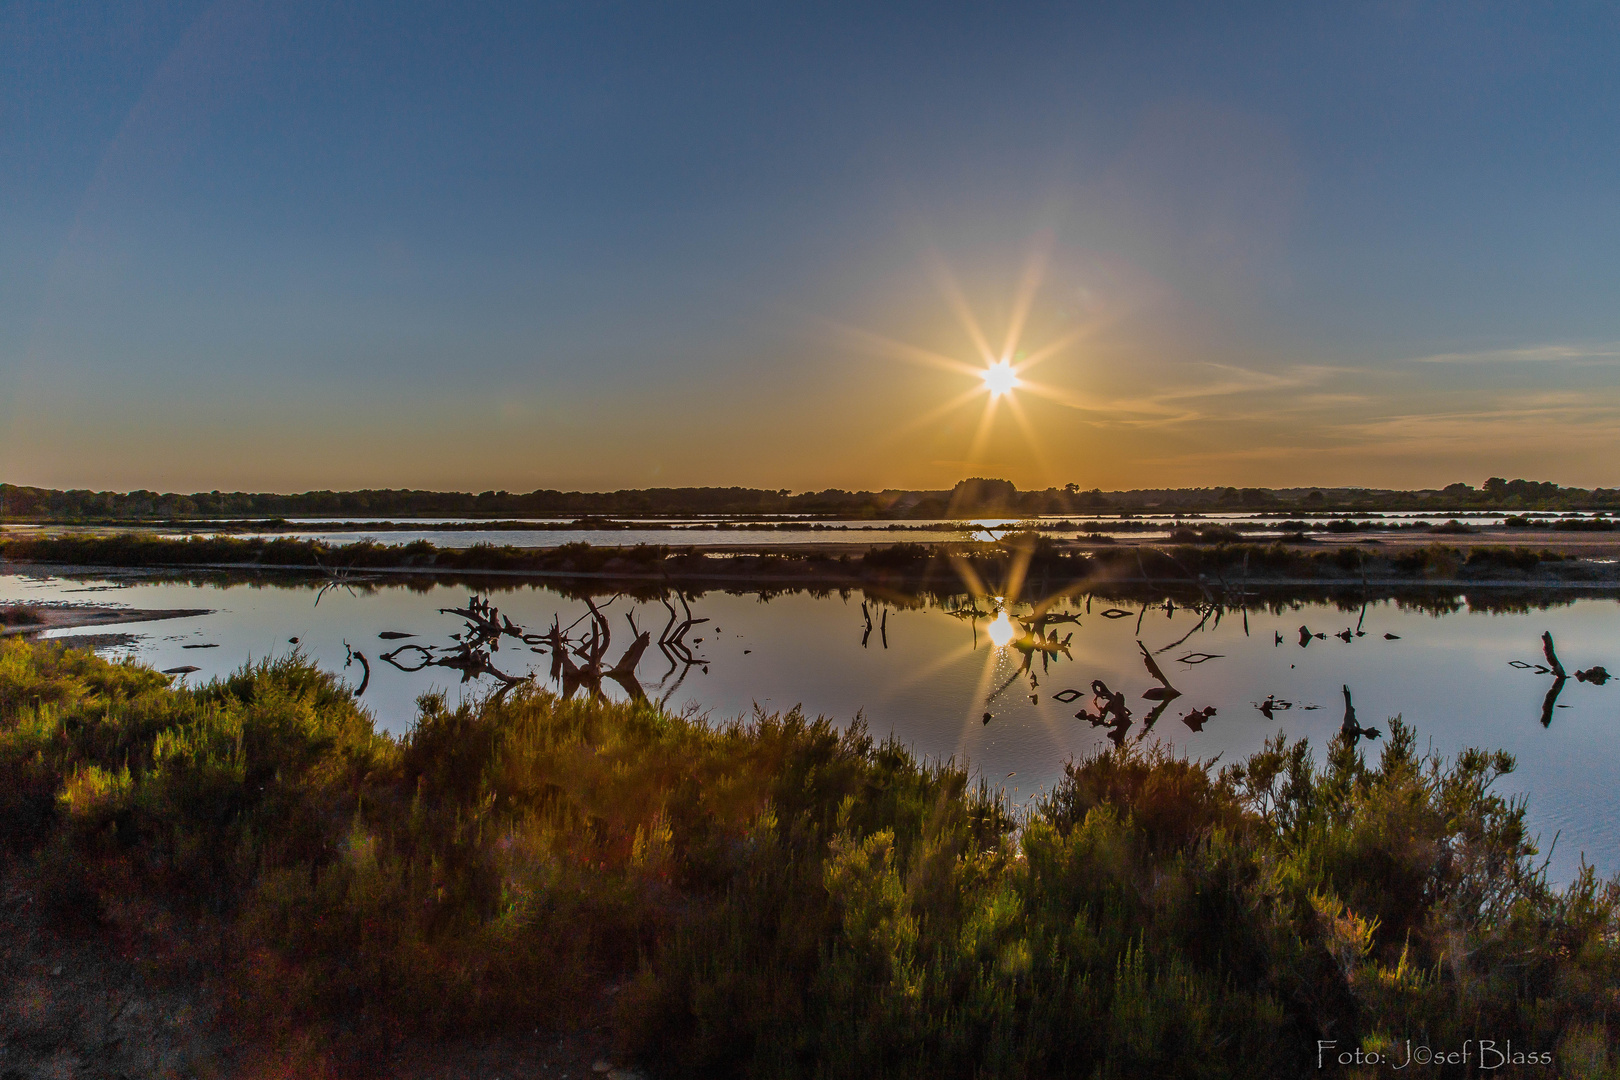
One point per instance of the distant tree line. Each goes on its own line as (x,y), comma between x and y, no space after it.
(976,496)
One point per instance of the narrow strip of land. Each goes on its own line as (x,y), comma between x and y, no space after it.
(38,618)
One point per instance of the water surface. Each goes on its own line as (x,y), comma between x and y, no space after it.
(928,673)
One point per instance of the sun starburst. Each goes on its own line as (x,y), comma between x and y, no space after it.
(1000,378)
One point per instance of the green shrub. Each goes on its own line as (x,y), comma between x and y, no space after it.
(781,899)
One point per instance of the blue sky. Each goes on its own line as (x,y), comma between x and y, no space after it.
(295,245)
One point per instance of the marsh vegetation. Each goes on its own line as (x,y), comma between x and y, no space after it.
(773,897)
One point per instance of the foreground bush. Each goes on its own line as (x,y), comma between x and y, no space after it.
(780,899)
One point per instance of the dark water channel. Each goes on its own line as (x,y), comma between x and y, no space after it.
(930,671)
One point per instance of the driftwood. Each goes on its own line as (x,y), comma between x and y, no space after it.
(1597,675)
(1035,638)
(1273,705)
(1551,654)
(365,666)
(1164,691)
(1197,717)
(1350,729)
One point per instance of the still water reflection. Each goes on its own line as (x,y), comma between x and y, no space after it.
(1013,691)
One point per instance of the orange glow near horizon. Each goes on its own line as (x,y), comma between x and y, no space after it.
(1004,362)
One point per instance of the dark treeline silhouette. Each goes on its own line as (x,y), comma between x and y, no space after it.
(974,496)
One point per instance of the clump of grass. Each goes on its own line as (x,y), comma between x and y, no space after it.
(1208,534)
(900,555)
(780,898)
(20,615)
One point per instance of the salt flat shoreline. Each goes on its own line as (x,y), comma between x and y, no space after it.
(764,578)
(1220,561)
(71,616)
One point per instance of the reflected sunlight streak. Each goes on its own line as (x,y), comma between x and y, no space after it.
(1001,630)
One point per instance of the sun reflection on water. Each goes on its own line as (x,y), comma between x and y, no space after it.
(1001,630)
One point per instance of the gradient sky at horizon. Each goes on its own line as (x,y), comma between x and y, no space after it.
(284,246)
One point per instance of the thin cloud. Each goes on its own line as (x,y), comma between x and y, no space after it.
(1539,354)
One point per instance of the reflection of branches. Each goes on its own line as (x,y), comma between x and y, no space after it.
(672,643)
(1550,702)
(624,672)
(365,666)
(470,662)
(1152,718)
(1207,611)
(336,576)
(1112,711)
(471,655)
(1164,691)
(1010,680)
(426,657)
(882,625)
(579,654)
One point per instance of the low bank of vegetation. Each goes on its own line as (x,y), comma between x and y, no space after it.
(778,899)
(1214,556)
(971,497)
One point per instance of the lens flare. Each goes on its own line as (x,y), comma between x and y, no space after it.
(1000,378)
(1001,630)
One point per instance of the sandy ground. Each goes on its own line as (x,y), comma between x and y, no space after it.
(63,616)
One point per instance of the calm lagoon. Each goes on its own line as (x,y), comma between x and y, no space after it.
(929,671)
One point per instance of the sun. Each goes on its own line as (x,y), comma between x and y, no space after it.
(1000,378)
(995,371)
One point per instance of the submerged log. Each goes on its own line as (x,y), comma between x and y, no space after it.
(1551,654)
(1350,728)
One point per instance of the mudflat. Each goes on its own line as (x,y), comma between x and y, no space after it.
(42,617)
